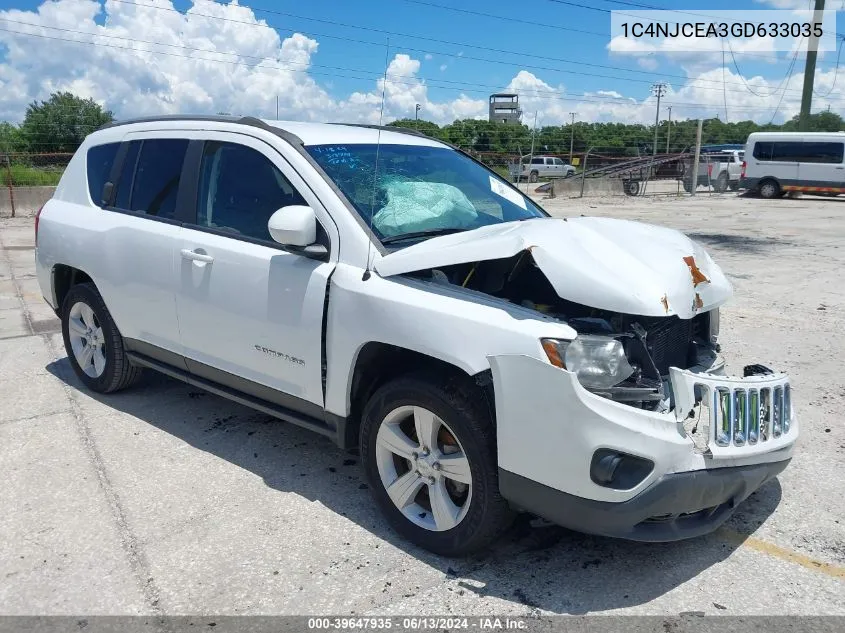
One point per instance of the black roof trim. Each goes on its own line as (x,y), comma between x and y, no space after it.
(216,118)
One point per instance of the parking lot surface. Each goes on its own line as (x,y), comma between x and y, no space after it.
(164,499)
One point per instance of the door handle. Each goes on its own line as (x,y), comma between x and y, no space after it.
(197,257)
(840,168)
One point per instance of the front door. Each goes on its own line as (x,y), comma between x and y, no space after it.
(250,313)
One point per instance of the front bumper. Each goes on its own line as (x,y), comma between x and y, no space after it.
(549,429)
(676,506)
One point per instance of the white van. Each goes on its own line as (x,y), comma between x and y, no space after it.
(778,162)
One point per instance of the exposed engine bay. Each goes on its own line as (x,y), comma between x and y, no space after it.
(651,344)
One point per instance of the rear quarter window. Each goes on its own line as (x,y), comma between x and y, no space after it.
(99,162)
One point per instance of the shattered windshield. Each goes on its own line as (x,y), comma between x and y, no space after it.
(420,191)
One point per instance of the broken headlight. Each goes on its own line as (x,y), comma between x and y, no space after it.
(599,362)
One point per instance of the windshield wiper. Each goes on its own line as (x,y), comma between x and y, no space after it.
(415,234)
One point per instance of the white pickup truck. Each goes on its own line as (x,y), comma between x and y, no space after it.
(386,290)
(720,170)
(532,168)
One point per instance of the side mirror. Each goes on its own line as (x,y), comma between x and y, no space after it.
(295,225)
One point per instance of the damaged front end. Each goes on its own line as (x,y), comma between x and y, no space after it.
(644,302)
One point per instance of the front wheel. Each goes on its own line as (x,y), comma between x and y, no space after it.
(533,176)
(428,449)
(721,185)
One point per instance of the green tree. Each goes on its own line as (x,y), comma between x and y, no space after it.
(11,139)
(426,127)
(62,122)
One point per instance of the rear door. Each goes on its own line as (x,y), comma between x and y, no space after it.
(138,249)
(251,312)
(822,164)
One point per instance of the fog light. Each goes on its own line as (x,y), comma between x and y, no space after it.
(617,470)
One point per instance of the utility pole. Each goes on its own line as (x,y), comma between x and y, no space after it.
(277,107)
(658,90)
(810,71)
(571,135)
(417,112)
(668,129)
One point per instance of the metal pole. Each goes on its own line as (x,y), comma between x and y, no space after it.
(668,129)
(584,171)
(694,179)
(277,107)
(417,112)
(531,155)
(11,191)
(810,72)
(571,135)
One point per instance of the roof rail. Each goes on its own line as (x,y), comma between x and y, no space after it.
(217,118)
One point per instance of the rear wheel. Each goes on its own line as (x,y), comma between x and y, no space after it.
(721,185)
(533,176)
(93,343)
(428,449)
(769,189)
(734,186)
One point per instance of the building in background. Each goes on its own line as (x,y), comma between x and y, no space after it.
(504,108)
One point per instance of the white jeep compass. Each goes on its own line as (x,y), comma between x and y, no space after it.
(390,292)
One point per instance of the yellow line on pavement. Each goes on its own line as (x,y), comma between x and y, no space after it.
(735,538)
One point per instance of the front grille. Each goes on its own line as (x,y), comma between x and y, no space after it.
(741,416)
(669,342)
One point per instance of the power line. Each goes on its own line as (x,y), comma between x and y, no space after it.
(835,72)
(392,34)
(553,95)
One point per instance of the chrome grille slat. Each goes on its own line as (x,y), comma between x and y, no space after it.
(747,415)
(740,417)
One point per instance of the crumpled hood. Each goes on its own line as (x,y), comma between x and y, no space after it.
(617,265)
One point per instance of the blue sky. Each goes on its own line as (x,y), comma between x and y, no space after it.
(449,60)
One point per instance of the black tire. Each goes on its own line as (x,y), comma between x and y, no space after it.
(734,186)
(632,187)
(533,176)
(769,189)
(687,186)
(118,372)
(721,184)
(460,404)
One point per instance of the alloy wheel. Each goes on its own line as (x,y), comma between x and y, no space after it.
(423,468)
(86,339)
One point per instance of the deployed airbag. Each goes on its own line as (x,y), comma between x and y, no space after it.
(421,206)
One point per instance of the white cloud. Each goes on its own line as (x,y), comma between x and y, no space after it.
(443,67)
(150,60)
(429,57)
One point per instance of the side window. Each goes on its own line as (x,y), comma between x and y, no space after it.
(127,171)
(157,173)
(789,151)
(240,189)
(99,161)
(536,161)
(763,150)
(822,152)
(558,161)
